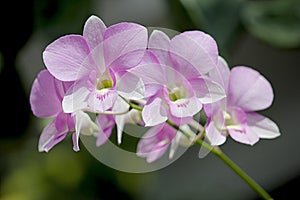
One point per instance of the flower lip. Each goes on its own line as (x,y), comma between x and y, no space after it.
(233,119)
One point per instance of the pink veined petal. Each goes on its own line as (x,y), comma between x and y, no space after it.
(158,152)
(212,108)
(215,136)
(103,100)
(44,99)
(67,58)
(249,90)
(97,53)
(61,121)
(159,40)
(50,137)
(148,140)
(185,107)
(247,137)
(262,126)
(221,73)
(93,31)
(155,142)
(149,57)
(105,123)
(181,140)
(195,48)
(154,113)
(238,119)
(131,86)
(124,45)
(207,90)
(150,73)
(159,43)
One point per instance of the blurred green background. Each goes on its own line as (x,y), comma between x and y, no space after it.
(264,35)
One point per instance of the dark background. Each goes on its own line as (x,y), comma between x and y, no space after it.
(264,35)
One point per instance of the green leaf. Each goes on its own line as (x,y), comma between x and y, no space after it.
(275,22)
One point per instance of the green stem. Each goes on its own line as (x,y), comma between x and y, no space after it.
(217,151)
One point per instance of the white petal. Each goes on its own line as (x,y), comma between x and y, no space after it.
(214,135)
(154,113)
(75,99)
(84,124)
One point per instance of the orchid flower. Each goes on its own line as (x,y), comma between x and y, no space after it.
(247,91)
(156,141)
(174,77)
(46,101)
(97,62)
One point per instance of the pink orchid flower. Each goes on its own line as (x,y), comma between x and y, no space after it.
(46,101)
(247,91)
(173,74)
(97,62)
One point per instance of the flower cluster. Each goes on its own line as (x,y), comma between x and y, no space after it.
(123,76)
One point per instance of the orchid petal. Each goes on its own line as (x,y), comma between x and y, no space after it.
(61,121)
(207,90)
(50,136)
(124,45)
(185,107)
(67,58)
(249,90)
(221,73)
(83,125)
(159,43)
(131,87)
(246,137)
(75,98)
(154,113)
(93,31)
(105,123)
(155,142)
(150,73)
(159,40)
(133,117)
(44,100)
(75,139)
(103,100)
(195,48)
(214,136)
(120,106)
(181,140)
(262,126)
